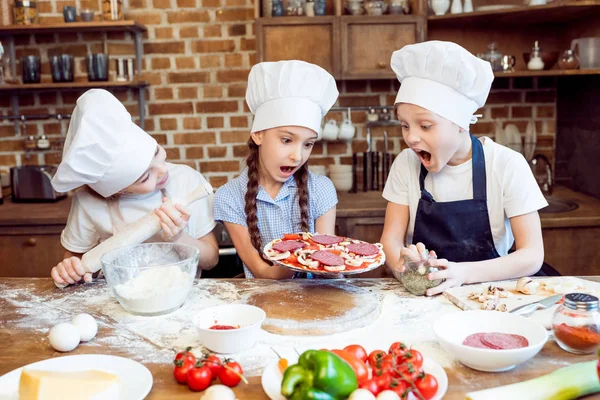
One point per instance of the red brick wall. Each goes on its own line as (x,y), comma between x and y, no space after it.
(197,57)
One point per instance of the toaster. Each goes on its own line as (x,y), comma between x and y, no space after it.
(32,183)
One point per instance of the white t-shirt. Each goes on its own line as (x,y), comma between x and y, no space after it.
(511,188)
(90,223)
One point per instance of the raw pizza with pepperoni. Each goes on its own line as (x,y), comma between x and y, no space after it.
(325,254)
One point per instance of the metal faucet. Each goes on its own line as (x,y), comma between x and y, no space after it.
(544,179)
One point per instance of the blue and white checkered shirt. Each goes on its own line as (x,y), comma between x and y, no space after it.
(275,216)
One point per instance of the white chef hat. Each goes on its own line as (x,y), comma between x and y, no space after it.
(103,148)
(289,93)
(444,78)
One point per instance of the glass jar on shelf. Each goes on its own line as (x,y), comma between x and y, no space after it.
(576,324)
(295,7)
(568,60)
(25,12)
(112,10)
(493,56)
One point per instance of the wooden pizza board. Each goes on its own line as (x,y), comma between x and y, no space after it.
(314,307)
(459,295)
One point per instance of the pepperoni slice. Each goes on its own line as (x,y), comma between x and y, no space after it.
(504,341)
(327,239)
(474,340)
(327,258)
(363,249)
(288,245)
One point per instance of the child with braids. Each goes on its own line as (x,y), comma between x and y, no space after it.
(276,194)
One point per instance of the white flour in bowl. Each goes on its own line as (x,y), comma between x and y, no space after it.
(155,291)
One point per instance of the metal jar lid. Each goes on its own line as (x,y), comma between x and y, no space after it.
(26,3)
(581,301)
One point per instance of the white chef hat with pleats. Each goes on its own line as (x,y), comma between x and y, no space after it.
(444,78)
(289,93)
(104,148)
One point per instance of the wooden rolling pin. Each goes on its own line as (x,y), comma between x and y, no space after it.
(137,232)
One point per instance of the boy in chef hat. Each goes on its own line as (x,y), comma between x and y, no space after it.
(467,199)
(276,194)
(123,175)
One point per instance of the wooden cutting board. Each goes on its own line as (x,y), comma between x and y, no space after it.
(314,307)
(459,295)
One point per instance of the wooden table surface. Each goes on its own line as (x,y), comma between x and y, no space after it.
(29,307)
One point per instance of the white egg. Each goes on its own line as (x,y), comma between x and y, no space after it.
(218,392)
(388,395)
(64,337)
(361,394)
(87,326)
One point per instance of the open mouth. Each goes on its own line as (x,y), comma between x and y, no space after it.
(424,156)
(287,169)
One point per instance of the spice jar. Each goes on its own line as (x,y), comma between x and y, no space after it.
(112,10)
(414,276)
(25,13)
(568,60)
(576,324)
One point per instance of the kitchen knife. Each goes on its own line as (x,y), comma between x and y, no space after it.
(366,163)
(384,160)
(531,307)
(354,173)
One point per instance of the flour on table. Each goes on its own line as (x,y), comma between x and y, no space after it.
(155,290)
(403,317)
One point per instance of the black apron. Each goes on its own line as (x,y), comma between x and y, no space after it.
(458,231)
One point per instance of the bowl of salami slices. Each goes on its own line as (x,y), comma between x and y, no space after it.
(490,341)
(324,254)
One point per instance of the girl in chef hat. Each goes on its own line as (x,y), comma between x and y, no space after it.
(123,175)
(276,194)
(467,199)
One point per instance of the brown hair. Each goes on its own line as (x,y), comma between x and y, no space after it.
(301,177)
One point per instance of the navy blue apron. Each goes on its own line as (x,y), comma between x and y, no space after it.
(458,231)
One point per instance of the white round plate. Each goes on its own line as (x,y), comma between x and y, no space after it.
(272,377)
(135,379)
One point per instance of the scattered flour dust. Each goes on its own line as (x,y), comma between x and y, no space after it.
(155,290)
(402,317)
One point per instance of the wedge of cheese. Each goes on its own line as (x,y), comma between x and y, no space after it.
(80,385)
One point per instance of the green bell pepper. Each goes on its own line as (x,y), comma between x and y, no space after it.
(319,375)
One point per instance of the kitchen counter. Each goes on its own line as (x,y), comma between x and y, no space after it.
(371,204)
(351,205)
(30,307)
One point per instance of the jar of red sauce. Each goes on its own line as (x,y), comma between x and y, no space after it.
(576,324)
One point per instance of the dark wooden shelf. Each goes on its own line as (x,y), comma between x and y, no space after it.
(552,72)
(550,13)
(92,26)
(70,86)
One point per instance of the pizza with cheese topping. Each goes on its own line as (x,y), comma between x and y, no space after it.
(324,254)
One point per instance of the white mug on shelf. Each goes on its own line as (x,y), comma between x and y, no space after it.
(440,7)
(347,130)
(331,130)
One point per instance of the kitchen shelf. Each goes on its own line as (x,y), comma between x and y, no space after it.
(64,86)
(550,13)
(93,26)
(552,72)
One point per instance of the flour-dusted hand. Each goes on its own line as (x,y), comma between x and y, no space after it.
(70,271)
(414,253)
(454,274)
(172,224)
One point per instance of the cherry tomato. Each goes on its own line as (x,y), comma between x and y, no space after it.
(427,385)
(375,356)
(413,356)
(229,377)
(357,351)
(214,364)
(383,380)
(398,349)
(399,387)
(187,356)
(408,372)
(181,370)
(359,367)
(370,385)
(199,378)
